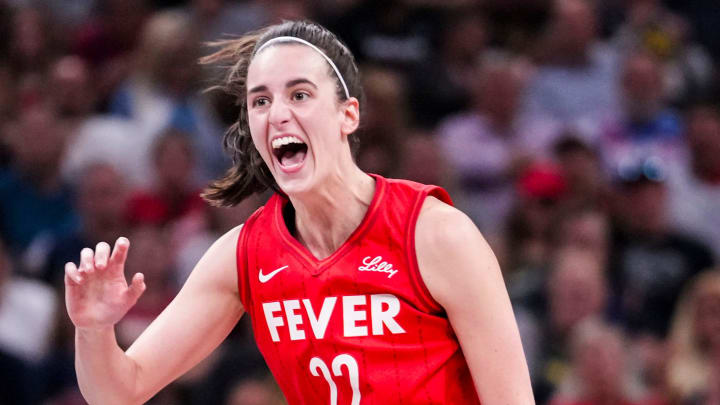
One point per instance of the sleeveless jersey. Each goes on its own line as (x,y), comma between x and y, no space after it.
(358,327)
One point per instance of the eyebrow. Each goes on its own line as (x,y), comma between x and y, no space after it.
(289,84)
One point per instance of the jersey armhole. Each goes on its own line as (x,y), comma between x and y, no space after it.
(242,262)
(418,284)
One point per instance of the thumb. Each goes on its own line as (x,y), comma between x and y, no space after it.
(136,287)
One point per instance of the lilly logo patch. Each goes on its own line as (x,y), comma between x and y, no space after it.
(377,264)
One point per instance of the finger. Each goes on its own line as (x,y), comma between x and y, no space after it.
(87,262)
(119,253)
(72,275)
(102,253)
(136,288)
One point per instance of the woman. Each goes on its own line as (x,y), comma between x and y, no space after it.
(694,365)
(373,292)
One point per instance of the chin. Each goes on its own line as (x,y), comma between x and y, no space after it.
(296,184)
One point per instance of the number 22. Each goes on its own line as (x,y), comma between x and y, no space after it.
(349,362)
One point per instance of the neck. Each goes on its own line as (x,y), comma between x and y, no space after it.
(326,217)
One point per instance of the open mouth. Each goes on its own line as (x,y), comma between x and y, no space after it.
(290,151)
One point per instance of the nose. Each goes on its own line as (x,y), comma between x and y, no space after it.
(279,113)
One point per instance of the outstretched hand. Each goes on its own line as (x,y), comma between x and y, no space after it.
(96,292)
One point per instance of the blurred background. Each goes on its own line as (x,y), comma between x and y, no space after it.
(582,137)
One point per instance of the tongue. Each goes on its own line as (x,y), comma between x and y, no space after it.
(291,158)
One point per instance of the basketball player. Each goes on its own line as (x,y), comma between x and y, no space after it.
(361,290)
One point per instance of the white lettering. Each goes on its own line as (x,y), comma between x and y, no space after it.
(319,325)
(377,264)
(273,321)
(359,316)
(293,319)
(351,316)
(380,317)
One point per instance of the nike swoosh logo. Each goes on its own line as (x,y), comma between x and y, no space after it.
(264,278)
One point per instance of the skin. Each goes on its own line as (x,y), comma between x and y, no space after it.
(330,196)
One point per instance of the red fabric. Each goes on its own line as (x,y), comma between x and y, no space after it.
(385,334)
(149,208)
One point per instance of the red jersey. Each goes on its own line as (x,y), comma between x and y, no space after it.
(358,327)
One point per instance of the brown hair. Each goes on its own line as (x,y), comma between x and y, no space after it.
(689,367)
(249,174)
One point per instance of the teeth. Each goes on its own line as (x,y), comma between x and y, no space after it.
(286,140)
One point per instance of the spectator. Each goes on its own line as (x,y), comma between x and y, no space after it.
(174,193)
(576,291)
(439,87)
(586,228)
(419,160)
(487,145)
(112,33)
(35,203)
(695,187)
(101,204)
(218,19)
(541,189)
(71,90)
(695,340)
(645,127)
(581,166)
(162,93)
(651,262)
(93,138)
(600,374)
(110,140)
(686,67)
(576,82)
(384,122)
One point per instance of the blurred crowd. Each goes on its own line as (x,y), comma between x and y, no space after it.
(581,136)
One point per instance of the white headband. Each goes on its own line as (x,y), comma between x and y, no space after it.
(304,42)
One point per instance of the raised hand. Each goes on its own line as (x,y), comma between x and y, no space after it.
(96,292)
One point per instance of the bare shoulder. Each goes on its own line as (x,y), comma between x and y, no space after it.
(228,241)
(460,271)
(450,249)
(442,223)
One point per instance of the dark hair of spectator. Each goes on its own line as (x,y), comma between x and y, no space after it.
(249,174)
(570,143)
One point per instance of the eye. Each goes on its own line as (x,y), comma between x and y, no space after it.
(260,102)
(300,96)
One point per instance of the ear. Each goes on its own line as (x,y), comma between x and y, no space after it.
(350,110)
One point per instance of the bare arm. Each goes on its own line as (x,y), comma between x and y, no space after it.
(463,276)
(194,324)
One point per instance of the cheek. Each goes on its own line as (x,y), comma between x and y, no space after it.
(324,134)
(258,135)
